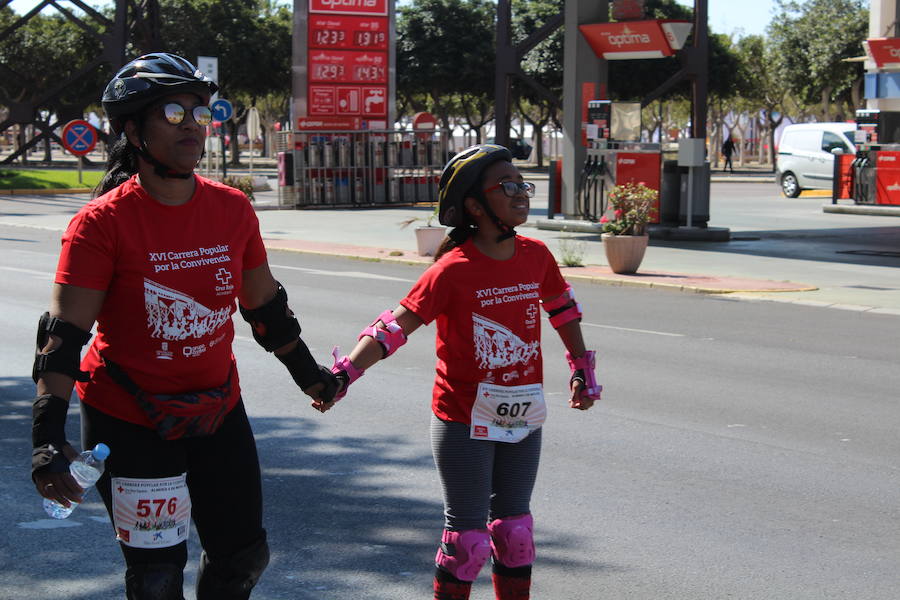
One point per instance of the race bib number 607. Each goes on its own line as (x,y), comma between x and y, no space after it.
(151,513)
(504,413)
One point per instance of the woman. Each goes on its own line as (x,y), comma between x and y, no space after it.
(484,289)
(157,261)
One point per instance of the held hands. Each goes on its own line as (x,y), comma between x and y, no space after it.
(324,394)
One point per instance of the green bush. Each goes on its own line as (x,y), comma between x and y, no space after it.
(240,182)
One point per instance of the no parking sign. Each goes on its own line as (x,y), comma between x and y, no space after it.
(79,137)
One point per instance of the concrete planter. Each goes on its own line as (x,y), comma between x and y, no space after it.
(428,239)
(624,253)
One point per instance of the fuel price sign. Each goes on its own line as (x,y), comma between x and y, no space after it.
(348,32)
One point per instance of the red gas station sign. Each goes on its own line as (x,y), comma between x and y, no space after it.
(884,52)
(347,66)
(636,39)
(349,7)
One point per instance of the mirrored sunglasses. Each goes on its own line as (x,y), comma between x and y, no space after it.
(511,188)
(175,112)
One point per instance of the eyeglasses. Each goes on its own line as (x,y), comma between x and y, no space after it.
(511,188)
(174,113)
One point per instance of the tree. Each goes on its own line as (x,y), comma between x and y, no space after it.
(543,64)
(251,38)
(36,58)
(811,41)
(762,85)
(445,55)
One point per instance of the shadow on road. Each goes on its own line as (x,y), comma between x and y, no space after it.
(336,521)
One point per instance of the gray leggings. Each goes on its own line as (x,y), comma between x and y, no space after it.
(482,480)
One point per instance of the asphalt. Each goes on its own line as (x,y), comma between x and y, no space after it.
(774,270)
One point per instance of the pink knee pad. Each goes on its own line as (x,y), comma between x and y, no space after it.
(512,540)
(463,553)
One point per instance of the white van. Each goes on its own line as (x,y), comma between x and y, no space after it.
(806,155)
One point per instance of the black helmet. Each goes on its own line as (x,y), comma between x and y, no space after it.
(147,78)
(460,174)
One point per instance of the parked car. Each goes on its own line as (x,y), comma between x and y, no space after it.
(806,155)
(518,147)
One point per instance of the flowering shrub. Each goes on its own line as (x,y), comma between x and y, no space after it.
(243,183)
(631,205)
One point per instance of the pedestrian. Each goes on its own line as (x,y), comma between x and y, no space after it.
(727,151)
(157,260)
(484,290)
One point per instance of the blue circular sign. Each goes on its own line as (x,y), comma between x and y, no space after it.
(222,110)
(79,137)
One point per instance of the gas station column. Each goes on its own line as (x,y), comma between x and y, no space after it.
(584,78)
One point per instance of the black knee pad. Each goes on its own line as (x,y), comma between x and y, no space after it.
(232,577)
(154,581)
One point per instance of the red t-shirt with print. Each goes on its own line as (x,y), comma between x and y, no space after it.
(488,320)
(171,275)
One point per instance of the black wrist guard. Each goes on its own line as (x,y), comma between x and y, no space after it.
(304,369)
(65,358)
(273,323)
(48,434)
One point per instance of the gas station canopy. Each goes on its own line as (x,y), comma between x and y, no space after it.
(636,39)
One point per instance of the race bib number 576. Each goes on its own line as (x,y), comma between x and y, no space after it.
(151,513)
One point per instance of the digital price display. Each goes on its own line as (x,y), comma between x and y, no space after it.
(348,33)
(344,66)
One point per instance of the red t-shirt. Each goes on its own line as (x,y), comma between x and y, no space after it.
(171,276)
(488,320)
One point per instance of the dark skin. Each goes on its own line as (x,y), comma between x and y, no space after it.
(180,146)
(513,212)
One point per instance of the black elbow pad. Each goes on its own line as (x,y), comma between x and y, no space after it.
(65,358)
(273,323)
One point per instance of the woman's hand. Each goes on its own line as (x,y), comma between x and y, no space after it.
(60,487)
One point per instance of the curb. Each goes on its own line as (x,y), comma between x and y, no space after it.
(45,192)
(590,273)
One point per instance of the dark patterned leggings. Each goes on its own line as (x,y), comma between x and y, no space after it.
(482,480)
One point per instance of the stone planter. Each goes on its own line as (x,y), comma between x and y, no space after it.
(428,239)
(624,253)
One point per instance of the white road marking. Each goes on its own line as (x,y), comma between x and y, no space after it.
(650,331)
(353,274)
(28,271)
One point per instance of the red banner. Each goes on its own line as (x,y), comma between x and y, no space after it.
(348,33)
(349,7)
(633,39)
(884,52)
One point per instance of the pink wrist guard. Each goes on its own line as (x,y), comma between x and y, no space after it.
(563,308)
(583,368)
(343,365)
(390,337)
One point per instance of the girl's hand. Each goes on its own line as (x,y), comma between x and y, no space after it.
(578,399)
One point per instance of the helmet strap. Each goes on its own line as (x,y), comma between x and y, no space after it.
(159,168)
(506,231)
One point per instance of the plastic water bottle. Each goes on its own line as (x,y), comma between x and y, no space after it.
(86,469)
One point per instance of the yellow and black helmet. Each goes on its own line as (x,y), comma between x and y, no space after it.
(459,175)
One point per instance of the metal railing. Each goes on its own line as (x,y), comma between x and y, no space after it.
(343,169)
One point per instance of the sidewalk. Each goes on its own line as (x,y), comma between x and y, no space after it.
(804,256)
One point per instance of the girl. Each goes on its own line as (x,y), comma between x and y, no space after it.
(484,290)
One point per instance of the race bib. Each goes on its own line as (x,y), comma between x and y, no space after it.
(151,513)
(507,413)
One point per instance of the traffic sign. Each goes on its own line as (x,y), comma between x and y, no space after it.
(79,137)
(222,110)
(253,127)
